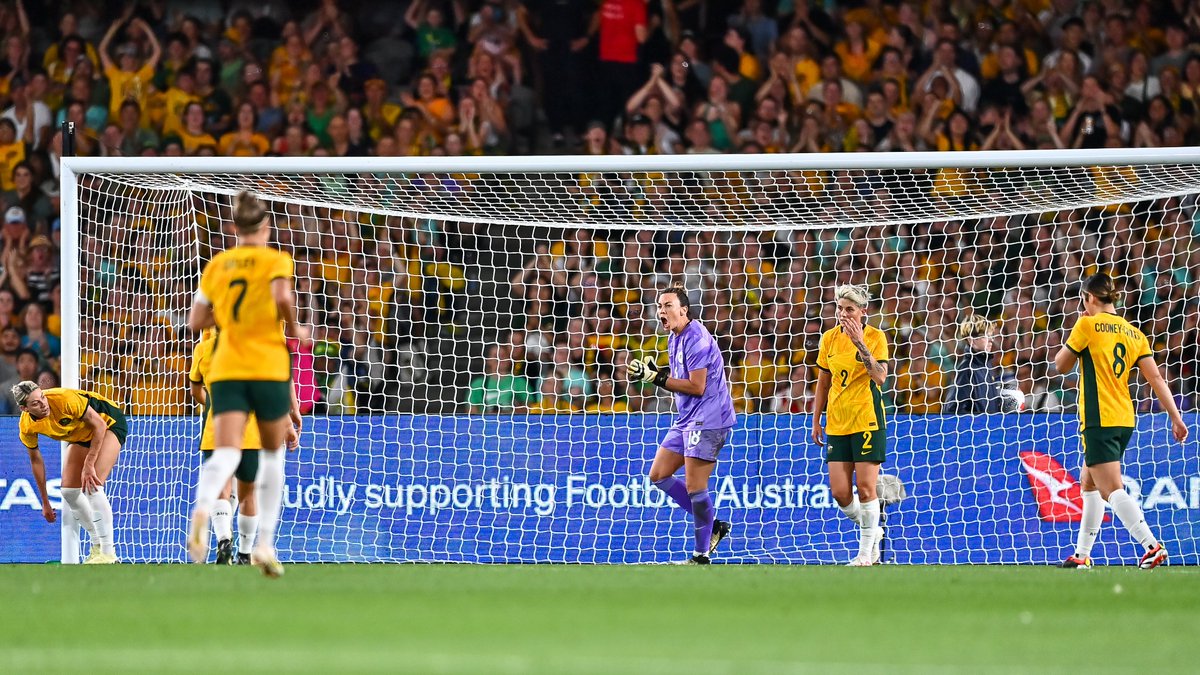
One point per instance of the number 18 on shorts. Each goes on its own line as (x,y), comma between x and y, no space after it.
(703,444)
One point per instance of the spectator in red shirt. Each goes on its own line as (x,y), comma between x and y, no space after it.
(622,28)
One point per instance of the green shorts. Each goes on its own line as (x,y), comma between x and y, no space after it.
(865,446)
(247,469)
(119,427)
(1105,444)
(267,400)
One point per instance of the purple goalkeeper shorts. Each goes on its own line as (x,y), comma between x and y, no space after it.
(703,444)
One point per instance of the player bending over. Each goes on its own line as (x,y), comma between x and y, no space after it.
(94,429)
(247,469)
(852,362)
(1107,347)
(246,292)
(696,374)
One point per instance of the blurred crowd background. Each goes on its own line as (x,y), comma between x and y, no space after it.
(415,315)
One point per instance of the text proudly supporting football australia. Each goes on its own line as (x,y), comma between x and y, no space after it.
(543,499)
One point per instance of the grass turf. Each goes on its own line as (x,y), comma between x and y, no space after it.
(596,619)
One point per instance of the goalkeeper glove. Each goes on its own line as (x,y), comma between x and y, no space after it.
(646,370)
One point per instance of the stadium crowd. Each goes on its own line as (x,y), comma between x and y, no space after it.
(463,77)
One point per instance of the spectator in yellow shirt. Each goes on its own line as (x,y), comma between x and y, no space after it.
(176,100)
(126,79)
(193,134)
(244,141)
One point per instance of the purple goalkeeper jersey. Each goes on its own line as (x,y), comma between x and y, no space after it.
(693,349)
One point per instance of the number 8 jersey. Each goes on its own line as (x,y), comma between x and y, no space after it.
(251,344)
(1108,347)
(855,402)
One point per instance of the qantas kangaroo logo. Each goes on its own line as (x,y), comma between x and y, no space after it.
(1058,494)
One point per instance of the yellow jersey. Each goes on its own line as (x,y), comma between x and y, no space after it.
(250,345)
(1108,348)
(66,419)
(128,86)
(855,403)
(198,374)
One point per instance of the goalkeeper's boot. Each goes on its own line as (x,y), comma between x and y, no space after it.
(1156,556)
(697,559)
(197,542)
(721,529)
(242,559)
(92,555)
(1076,562)
(859,562)
(225,552)
(264,559)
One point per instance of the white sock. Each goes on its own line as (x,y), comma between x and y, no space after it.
(222,520)
(268,489)
(81,508)
(1132,518)
(247,528)
(853,511)
(103,519)
(1089,526)
(214,474)
(867,524)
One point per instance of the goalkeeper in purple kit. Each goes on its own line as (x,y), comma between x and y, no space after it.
(696,375)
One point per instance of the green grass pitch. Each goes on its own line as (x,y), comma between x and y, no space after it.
(597,619)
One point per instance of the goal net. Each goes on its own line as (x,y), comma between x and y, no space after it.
(467,396)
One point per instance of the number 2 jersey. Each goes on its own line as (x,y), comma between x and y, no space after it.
(1108,347)
(855,403)
(251,344)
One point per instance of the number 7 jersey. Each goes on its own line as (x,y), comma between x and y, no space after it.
(1108,348)
(251,344)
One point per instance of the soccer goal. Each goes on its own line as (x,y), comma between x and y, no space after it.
(466,393)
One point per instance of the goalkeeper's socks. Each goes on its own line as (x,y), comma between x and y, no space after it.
(867,528)
(676,490)
(853,511)
(214,474)
(703,513)
(247,528)
(269,491)
(1089,525)
(81,507)
(102,517)
(222,520)
(1132,518)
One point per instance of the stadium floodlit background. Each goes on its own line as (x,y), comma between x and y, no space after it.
(466,77)
(424,78)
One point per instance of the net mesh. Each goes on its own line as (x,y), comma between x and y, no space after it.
(468,378)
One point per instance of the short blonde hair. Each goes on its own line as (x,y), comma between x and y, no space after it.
(22,390)
(859,295)
(975,326)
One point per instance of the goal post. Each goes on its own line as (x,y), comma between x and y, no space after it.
(467,395)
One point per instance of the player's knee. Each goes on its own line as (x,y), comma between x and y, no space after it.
(657,474)
(866,492)
(841,494)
